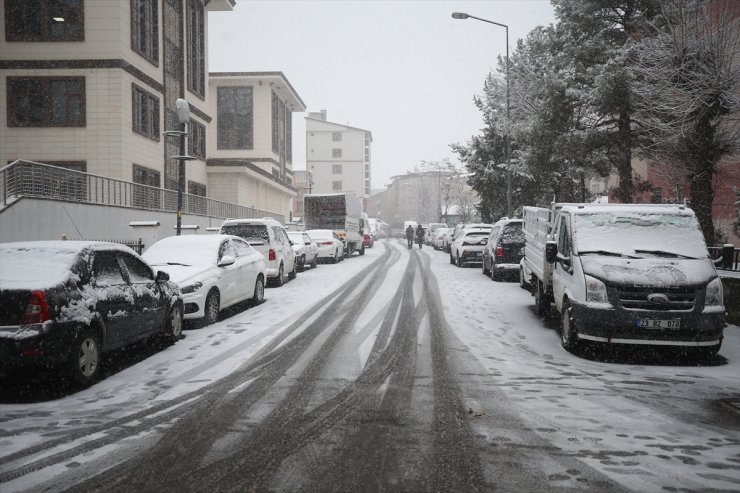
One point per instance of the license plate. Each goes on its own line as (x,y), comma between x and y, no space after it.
(653,323)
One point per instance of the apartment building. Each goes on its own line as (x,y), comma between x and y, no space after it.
(250,158)
(338,156)
(92,85)
(303,182)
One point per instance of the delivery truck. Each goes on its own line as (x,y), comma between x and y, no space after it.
(339,212)
(626,274)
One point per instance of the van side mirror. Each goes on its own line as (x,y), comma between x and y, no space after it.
(162,276)
(551,252)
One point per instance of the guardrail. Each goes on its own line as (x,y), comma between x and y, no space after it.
(730,257)
(29,179)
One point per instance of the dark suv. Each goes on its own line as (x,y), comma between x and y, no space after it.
(65,303)
(504,250)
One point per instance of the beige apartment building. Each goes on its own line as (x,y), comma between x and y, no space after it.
(338,156)
(92,85)
(250,157)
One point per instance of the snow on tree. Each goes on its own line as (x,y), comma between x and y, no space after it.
(687,94)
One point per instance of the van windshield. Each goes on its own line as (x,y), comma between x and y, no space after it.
(254,234)
(640,234)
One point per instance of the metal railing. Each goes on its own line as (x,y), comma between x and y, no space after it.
(29,179)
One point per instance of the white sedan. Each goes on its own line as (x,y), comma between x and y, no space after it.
(467,248)
(306,251)
(213,272)
(329,244)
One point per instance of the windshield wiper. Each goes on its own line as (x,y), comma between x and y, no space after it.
(663,253)
(175,263)
(605,253)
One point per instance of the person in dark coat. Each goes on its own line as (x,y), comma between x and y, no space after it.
(420,236)
(410,236)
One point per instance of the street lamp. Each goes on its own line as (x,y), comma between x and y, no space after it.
(183,116)
(462,15)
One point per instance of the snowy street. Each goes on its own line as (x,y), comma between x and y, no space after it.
(392,371)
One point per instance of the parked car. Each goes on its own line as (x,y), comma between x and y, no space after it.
(504,250)
(268,237)
(468,246)
(65,303)
(439,240)
(331,247)
(367,240)
(430,230)
(306,251)
(213,271)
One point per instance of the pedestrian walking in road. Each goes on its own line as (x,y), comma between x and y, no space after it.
(410,236)
(420,235)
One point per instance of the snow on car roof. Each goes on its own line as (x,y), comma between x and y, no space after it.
(190,249)
(43,264)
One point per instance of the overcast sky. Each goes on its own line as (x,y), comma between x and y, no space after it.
(404,70)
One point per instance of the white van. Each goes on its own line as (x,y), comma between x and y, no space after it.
(268,237)
(632,274)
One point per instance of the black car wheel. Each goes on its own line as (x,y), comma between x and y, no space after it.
(458,261)
(213,307)
(483,266)
(84,360)
(452,259)
(172,331)
(568,331)
(336,257)
(259,291)
(279,279)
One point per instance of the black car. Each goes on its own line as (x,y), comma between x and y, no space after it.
(504,250)
(64,303)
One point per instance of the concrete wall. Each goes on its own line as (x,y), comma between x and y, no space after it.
(38,219)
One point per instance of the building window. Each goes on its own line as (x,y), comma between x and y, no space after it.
(144,196)
(336,136)
(44,21)
(145,29)
(336,153)
(336,186)
(46,101)
(235,118)
(288,135)
(336,169)
(196,48)
(145,113)
(656,195)
(275,118)
(197,140)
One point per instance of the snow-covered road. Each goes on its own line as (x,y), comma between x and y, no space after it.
(598,423)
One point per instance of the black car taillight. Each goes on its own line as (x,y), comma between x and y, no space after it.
(499,251)
(37,309)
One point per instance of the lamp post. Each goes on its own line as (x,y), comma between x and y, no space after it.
(462,15)
(183,117)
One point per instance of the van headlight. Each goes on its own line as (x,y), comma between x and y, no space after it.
(713,293)
(191,288)
(595,290)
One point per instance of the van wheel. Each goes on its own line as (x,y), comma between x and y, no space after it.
(568,331)
(84,359)
(213,307)
(173,325)
(522,282)
(541,303)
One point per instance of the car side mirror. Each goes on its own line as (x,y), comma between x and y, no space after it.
(162,276)
(551,252)
(484,241)
(226,260)
(308,243)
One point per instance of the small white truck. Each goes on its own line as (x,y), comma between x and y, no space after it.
(624,274)
(339,212)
